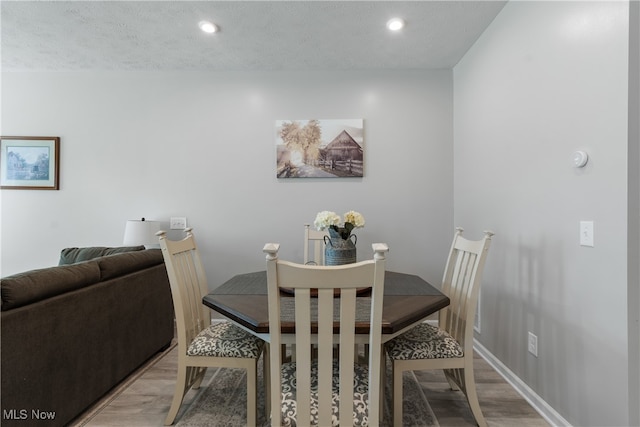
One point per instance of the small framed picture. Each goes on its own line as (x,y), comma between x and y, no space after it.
(29,162)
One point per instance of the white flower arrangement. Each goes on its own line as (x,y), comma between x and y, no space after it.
(355,218)
(330,220)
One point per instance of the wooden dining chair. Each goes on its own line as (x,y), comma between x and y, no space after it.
(314,240)
(450,345)
(313,255)
(201,344)
(325,391)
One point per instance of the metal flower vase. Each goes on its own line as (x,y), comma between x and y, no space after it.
(339,251)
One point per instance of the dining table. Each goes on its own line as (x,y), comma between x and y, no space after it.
(408,300)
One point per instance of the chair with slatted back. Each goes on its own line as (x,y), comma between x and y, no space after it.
(449,346)
(313,255)
(314,239)
(201,344)
(321,391)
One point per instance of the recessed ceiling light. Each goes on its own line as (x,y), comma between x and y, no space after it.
(207,27)
(395,24)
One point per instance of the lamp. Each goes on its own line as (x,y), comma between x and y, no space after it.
(141,232)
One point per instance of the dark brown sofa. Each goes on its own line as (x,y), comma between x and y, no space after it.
(71,333)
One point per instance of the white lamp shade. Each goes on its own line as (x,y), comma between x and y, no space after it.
(141,232)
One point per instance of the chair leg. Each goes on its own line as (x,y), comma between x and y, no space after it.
(293,353)
(178,395)
(397,396)
(449,375)
(266,369)
(252,394)
(392,394)
(383,381)
(472,397)
(200,375)
(360,356)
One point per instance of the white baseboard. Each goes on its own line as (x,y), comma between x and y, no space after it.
(543,408)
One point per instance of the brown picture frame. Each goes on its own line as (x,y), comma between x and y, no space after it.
(30,162)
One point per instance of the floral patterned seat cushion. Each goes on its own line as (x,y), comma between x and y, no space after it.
(224,339)
(424,342)
(360,395)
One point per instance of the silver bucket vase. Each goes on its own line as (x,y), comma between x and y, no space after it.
(339,251)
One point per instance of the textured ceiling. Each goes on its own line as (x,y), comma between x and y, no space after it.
(254,35)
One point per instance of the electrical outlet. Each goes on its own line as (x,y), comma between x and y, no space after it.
(533,344)
(178,223)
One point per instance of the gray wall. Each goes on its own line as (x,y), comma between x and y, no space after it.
(634,213)
(545,79)
(202,145)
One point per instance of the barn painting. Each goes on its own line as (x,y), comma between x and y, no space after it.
(319,148)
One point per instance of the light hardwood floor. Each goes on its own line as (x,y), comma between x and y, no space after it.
(501,404)
(143,399)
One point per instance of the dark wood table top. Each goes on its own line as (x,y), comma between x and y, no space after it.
(407,299)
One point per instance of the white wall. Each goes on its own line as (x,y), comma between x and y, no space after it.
(545,79)
(202,145)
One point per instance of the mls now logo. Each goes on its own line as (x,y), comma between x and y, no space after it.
(15,414)
(23,414)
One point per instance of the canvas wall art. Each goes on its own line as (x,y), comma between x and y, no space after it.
(319,148)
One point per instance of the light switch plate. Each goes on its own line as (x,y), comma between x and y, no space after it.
(586,233)
(178,223)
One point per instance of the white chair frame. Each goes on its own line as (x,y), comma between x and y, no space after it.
(461,282)
(302,278)
(314,238)
(188,286)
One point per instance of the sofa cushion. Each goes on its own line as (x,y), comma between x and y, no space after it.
(73,255)
(35,285)
(119,264)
